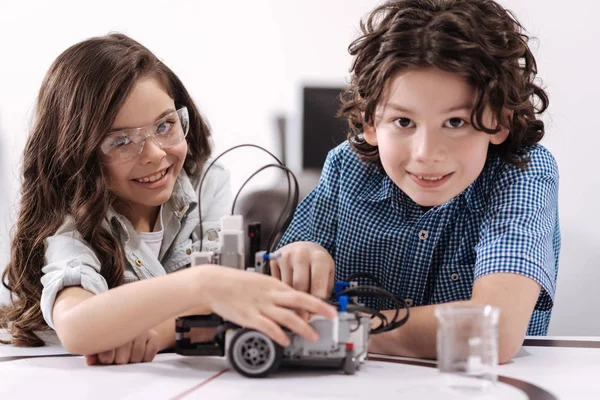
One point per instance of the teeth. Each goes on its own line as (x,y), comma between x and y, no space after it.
(430,178)
(152,178)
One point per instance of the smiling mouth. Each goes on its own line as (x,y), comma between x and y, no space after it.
(153,178)
(430,178)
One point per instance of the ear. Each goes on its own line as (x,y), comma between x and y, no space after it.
(501,136)
(369,132)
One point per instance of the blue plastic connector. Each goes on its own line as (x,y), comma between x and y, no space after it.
(272,256)
(343,302)
(340,286)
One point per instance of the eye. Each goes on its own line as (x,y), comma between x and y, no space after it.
(455,123)
(164,127)
(404,123)
(121,141)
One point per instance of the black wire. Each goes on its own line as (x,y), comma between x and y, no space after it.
(377,292)
(366,275)
(286,209)
(276,235)
(200,231)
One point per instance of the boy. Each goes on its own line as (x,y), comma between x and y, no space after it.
(441,190)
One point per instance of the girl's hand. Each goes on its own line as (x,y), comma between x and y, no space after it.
(262,302)
(307,267)
(142,349)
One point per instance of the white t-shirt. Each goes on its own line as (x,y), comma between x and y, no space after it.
(154,239)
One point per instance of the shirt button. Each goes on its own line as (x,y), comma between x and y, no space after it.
(188,251)
(138,262)
(455,276)
(423,234)
(212,235)
(409,302)
(181,209)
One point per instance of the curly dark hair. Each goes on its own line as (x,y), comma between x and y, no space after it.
(476,39)
(78,102)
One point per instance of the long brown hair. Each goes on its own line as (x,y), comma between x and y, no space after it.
(77,104)
(476,39)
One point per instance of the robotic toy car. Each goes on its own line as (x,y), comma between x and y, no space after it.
(342,343)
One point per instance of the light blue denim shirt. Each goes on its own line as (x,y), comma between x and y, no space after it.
(71,261)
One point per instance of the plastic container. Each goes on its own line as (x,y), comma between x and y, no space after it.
(467,345)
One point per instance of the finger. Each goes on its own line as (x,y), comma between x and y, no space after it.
(271,329)
(151,348)
(138,349)
(322,272)
(331,280)
(305,315)
(285,269)
(292,321)
(274,266)
(299,266)
(92,359)
(301,275)
(304,301)
(123,353)
(106,357)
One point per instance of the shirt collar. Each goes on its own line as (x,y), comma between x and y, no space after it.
(183,195)
(379,187)
(475,193)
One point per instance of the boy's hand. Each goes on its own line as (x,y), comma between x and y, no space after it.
(307,267)
(142,349)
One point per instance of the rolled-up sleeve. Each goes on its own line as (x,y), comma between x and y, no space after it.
(68,261)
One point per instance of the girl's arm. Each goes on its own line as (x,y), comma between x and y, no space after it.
(89,324)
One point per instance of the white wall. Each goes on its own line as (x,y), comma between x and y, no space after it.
(244,62)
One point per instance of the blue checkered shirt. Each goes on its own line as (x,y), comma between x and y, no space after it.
(505,221)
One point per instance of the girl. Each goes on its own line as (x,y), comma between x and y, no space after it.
(109,196)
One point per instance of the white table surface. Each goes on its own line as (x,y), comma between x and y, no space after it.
(565,372)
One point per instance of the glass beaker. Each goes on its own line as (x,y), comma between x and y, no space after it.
(467,345)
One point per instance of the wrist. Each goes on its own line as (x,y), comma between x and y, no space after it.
(200,287)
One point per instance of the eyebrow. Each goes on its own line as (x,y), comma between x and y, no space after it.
(459,107)
(163,114)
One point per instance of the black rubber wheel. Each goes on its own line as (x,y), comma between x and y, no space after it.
(254,354)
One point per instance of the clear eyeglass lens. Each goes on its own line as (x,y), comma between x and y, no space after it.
(169,131)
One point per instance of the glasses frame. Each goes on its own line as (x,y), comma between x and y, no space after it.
(184,123)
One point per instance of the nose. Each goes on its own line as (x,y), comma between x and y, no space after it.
(428,145)
(152,152)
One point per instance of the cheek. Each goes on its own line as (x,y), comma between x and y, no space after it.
(474,152)
(116,175)
(179,152)
(393,152)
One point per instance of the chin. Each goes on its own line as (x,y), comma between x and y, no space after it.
(157,201)
(428,201)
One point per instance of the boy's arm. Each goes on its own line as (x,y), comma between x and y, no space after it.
(515,264)
(515,296)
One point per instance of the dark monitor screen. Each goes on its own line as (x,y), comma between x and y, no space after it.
(321,129)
